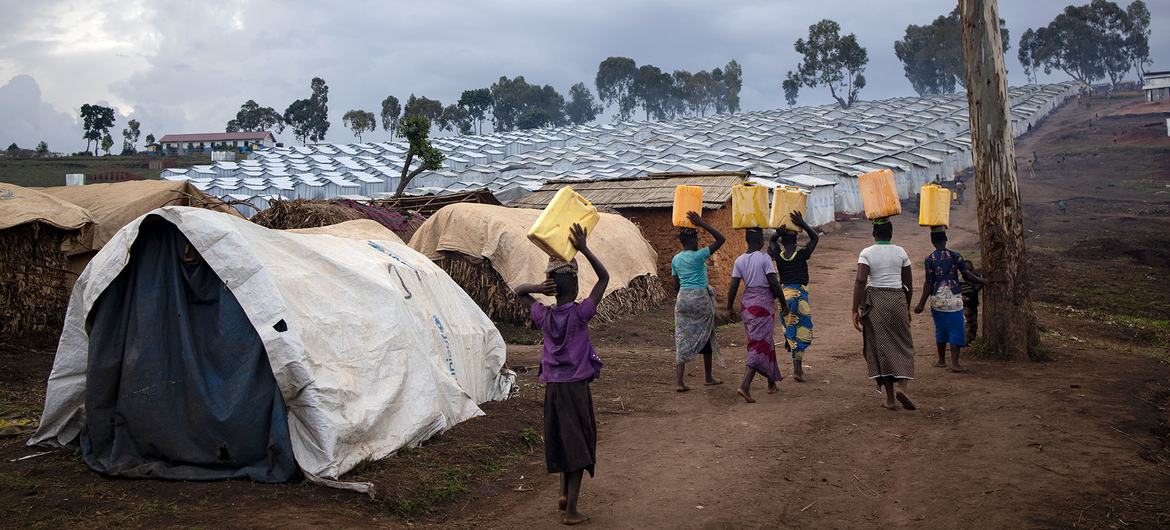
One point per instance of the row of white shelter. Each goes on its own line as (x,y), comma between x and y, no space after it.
(919,139)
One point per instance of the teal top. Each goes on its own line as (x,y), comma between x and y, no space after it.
(690,266)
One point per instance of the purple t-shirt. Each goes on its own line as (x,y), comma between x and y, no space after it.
(753,268)
(568,355)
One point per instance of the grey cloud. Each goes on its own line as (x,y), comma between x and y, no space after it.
(198,61)
(26,119)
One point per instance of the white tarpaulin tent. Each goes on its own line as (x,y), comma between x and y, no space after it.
(378,350)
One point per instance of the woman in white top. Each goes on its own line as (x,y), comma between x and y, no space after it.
(881,312)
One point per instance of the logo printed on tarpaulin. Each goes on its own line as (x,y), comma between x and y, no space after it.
(446,343)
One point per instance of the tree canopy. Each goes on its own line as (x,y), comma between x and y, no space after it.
(130,137)
(360,121)
(831,60)
(516,104)
(478,103)
(391,111)
(417,130)
(932,54)
(1090,42)
(455,117)
(96,120)
(423,106)
(309,118)
(661,95)
(253,118)
(581,107)
(615,85)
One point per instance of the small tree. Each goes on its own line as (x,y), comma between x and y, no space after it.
(252,118)
(478,103)
(13,149)
(431,109)
(130,138)
(832,60)
(96,121)
(149,139)
(391,111)
(309,118)
(1137,40)
(42,149)
(360,121)
(1027,54)
(581,107)
(732,82)
(455,118)
(107,143)
(791,87)
(417,130)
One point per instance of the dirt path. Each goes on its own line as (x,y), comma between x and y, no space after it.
(1008,445)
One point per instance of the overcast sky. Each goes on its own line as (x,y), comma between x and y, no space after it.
(183,66)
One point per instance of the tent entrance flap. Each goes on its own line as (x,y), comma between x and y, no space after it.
(178,383)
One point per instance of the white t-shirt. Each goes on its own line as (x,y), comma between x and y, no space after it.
(885,265)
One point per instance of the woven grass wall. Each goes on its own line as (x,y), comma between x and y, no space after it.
(34,284)
(492,294)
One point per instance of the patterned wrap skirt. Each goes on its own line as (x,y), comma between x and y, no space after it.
(798,325)
(759,319)
(694,324)
(888,345)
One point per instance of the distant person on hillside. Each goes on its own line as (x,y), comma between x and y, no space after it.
(960,189)
(694,309)
(792,269)
(971,292)
(941,286)
(881,312)
(761,289)
(568,363)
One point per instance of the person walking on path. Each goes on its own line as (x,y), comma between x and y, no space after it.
(568,363)
(761,289)
(694,309)
(882,292)
(943,268)
(792,269)
(971,302)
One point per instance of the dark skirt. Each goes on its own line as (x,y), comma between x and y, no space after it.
(570,428)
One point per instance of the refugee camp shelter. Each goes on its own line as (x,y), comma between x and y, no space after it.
(648,201)
(918,138)
(486,250)
(114,205)
(37,234)
(285,352)
(427,205)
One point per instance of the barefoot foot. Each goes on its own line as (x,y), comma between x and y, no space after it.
(746,396)
(571,519)
(889,405)
(940,364)
(959,369)
(713,382)
(681,388)
(799,377)
(905,401)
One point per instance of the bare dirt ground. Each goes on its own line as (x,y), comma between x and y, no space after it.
(1079,441)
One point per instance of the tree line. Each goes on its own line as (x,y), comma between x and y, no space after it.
(1090,42)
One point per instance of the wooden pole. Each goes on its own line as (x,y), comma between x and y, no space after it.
(1009,323)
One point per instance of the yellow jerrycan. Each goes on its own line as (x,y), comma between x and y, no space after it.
(879,197)
(550,232)
(785,200)
(934,206)
(749,206)
(686,199)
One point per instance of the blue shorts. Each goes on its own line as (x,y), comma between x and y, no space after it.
(949,327)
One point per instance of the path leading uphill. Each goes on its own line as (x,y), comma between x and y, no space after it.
(1007,445)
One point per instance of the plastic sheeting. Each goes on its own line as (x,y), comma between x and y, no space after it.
(373,347)
(189,397)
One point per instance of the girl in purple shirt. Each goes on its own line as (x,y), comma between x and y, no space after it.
(568,363)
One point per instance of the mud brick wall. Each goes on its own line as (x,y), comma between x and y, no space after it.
(657,228)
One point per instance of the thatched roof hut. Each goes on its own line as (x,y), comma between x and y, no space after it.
(648,201)
(486,250)
(307,213)
(37,234)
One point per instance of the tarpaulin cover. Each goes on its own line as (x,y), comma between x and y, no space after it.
(373,347)
(500,234)
(189,396)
